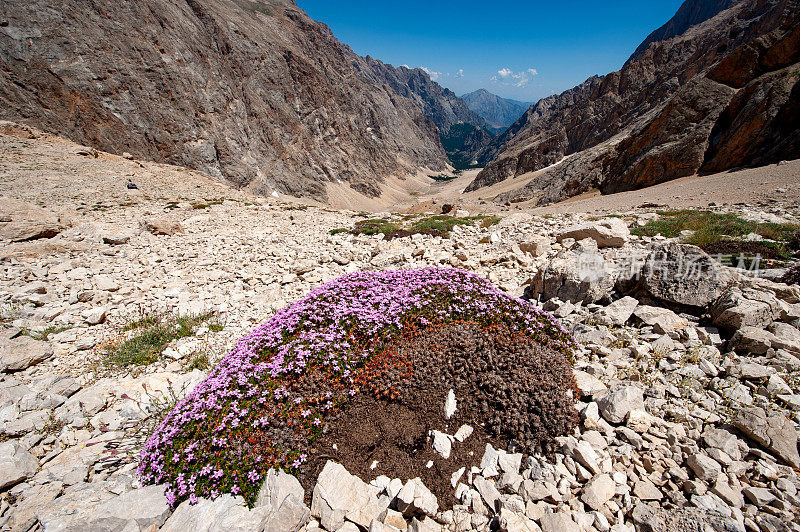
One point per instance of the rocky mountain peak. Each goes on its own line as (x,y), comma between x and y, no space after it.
(253,92)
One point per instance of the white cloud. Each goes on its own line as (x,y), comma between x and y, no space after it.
(460,73)
(435,76)
(506,76)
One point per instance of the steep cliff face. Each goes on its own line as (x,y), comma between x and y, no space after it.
(438,103)
(250,90)
(462,131)
(720,94)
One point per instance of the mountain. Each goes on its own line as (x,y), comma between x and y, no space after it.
(462,131)
(252,91)
(498,112)
(717,88)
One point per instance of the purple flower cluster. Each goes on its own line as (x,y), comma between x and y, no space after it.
(204,447)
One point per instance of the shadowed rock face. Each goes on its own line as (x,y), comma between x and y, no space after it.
(251,91)
(718,92)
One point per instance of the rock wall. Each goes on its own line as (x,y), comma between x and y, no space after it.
(720,95)
(247,90)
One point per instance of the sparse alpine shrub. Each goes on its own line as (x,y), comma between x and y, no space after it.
(263,404)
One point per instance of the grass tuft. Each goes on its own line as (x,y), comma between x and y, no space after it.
(711,227)
(153,332)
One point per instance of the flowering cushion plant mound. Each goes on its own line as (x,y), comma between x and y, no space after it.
(269,398)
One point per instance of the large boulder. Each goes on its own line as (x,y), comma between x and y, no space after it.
(745,308)
(231,514)
(142,508)
(751,340)
(16,464)
(17,354)
(772,430)
(616,404)
(575,277)
(340,496)
(608,232)
(618,312)
(662,319)
(684,275)
(160,226)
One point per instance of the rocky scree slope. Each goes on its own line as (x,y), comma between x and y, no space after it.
(721,94)
(252,91)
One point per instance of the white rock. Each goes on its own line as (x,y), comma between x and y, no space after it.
(450,405)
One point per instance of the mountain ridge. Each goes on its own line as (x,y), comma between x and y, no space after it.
(498,112)
(680,107)
(254,92)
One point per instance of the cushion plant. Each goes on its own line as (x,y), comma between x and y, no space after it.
(263,404)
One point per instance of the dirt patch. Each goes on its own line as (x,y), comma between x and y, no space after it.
(510,389)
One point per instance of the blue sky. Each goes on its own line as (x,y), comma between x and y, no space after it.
(520,50)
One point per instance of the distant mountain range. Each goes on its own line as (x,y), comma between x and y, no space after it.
(498,112)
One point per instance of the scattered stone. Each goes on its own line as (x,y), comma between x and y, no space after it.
(16,464)
(608,232)
(598,491)
(22,352)
(159,226)
(774,431)
(615,404)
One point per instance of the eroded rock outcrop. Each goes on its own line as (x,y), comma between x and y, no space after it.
(716,89)
(251,91)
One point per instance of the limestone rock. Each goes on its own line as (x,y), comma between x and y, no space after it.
(608,232)
(598,491)
(338,495)
(277,487)
(615,404)
(16,464)
(20,353)
(749,308)
(774,431)
(575,277)
(160,226)
(618,312)
(684,275)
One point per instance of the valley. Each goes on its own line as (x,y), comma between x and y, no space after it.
(253,281)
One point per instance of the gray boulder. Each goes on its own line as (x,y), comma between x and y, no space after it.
(684,275)
(608,232)
(277,487)
(22,352)
(575,277)
(752,340)
(662,319)
(774,431)
(745,308)
(16,464)
(618,312)
(616,404)
(160,226)
(144,507)
(340,496)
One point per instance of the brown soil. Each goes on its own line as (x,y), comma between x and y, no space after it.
(510,389)
(735,247)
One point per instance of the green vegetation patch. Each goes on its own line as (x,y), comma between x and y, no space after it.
(711,228)
(435,225)
(151,335)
